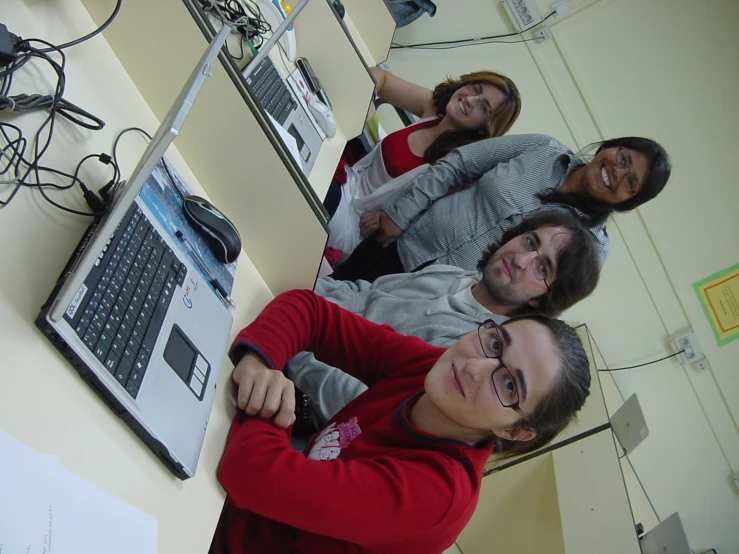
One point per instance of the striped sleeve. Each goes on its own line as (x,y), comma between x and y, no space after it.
(460,167)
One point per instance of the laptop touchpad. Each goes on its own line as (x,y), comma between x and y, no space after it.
(186,361)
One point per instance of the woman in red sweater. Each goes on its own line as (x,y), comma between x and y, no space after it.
(399,469)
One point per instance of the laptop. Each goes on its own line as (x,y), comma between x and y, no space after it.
(276,98)
(629,425)
(666,538)
(129,311)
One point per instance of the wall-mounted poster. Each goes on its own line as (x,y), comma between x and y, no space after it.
(719,296)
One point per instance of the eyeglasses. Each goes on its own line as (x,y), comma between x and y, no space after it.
(541,270)
(631,180)
(503,382)
(481,100)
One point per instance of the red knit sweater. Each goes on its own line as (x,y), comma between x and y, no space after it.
(370,481)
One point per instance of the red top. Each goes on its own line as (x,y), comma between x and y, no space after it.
(370,482)
(397,154)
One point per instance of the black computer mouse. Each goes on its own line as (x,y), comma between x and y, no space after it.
(220,234)
(340,10)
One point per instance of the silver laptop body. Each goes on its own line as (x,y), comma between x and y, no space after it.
(165,394)
(277,98)
(666,538)
(629,425)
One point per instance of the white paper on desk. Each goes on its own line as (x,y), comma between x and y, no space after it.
(300,88)
(289,141)
(46,509)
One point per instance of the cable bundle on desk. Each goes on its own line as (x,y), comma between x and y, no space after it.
(245,17)
(20,158)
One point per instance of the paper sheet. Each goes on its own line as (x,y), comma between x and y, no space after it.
(47,509)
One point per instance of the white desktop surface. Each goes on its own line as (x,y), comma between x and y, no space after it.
(43,401)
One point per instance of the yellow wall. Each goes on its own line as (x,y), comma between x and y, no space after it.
(666,69)
(518,512)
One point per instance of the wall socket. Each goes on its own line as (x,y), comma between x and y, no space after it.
(543,34)
(702,365)
(561,8)
(688,342)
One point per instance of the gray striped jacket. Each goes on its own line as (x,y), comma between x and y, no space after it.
(507,173)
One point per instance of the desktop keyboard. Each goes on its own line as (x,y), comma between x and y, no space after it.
(270,89)
(132,282)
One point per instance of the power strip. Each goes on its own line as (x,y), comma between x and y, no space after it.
(524,13)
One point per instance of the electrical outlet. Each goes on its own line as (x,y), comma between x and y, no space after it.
(543,34)
(702,365)
(561,8)
(524,13)
(688,342)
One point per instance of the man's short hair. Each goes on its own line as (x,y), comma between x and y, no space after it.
(578,266)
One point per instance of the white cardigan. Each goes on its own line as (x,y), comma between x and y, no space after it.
(368,188)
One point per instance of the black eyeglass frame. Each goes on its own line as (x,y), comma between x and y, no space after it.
(516,406)
(538,257)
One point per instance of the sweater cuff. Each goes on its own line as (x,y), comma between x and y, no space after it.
(242,348)
(400,216)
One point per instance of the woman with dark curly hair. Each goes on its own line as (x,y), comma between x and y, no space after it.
(457,112)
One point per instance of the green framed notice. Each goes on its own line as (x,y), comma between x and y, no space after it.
(719,296)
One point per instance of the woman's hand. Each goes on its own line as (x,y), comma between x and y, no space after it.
(369,222)
(389,231)
(264,392)
(379,222)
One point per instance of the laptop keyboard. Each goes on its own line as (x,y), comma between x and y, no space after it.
(128,292)
(271,91)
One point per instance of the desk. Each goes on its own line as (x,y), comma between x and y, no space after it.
(241,164)
(43,402)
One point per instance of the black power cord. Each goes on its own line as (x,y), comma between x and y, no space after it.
(109,190)
(20,158)
(645,363)
(244,17)
(117,140)
(475,44)
(92,34)
(444,45)
(8,41)
(591,339)
(18,145)
(164,160)
(27,102)
(97,205)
